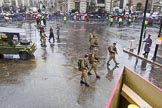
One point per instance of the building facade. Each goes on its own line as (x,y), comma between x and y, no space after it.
(139,5)
(15,2)
(84,5)
(157,5)
(133,5)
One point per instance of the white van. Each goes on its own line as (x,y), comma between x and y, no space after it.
(155,14)
(34,9)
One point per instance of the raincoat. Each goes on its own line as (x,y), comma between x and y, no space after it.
(148,44)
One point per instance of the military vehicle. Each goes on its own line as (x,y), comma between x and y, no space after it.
(11,43)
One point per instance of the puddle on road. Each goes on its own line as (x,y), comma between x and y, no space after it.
(124,37)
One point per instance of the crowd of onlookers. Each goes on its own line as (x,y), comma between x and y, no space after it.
(24,13)
(13,9)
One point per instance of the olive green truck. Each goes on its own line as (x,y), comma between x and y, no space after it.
(10,43)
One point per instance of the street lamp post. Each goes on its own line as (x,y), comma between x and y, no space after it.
(143,24)
(130,6)
(157,46)
(39,5)
(110,6)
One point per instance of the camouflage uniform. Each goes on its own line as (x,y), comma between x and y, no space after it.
(112,53)
(90,36)
(84,69)
(43,39)
(94,61)
(93,41)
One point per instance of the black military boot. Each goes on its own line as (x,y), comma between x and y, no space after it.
(89,73)
(86,84)
(82,82)
(108,63)
(116,64)
(98,76)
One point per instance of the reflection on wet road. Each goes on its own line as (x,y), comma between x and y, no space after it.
(51,80)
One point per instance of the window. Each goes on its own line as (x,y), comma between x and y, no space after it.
(77,5)
(139,6)
(100,1)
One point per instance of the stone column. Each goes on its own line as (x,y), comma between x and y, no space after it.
(152,6)
(70,5)
(26,3)
(16,1)
(1,3)
(83,6)
(125,5)
(108,4)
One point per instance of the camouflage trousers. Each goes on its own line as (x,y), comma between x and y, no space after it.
(43,41)
(112,57)
(94,68)
(84,75)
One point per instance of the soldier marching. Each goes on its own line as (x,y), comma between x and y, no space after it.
(91,60)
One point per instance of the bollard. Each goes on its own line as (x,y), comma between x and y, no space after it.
(132,46)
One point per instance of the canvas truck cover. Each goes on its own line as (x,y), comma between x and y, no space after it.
(9,36)
(21,31)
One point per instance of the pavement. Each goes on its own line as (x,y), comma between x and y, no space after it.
(51,79)
(134,53)
(131,33)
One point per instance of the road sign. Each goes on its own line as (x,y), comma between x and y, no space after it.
(159,40)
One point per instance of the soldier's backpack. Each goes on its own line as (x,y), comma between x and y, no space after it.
(109,48)
(80,64)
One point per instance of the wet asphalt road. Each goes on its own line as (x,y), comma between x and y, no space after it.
(51,79)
